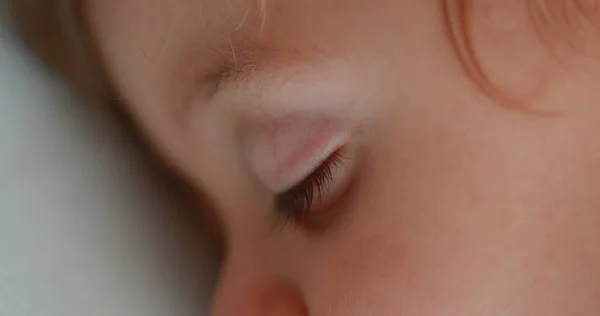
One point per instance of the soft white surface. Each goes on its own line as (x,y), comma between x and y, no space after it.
(85,227)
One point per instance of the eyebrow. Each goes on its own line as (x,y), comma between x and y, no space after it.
(243,61)
(237,62)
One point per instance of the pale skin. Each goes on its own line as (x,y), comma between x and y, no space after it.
(453,198)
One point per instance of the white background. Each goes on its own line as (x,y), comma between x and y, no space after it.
(86,227)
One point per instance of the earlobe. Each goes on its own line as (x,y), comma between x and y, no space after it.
(502,49)
(567,27)
(461,23)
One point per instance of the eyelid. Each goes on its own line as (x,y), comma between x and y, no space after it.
(302,171)
(315,202)
(293,146)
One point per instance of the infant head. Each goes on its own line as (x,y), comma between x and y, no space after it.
(376,157)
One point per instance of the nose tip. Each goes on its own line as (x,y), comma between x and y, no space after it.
(284,300)
(272,298)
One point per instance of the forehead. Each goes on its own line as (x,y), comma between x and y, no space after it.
(136,36)
(154,25)
(158,52)
(149,24)
(167,46)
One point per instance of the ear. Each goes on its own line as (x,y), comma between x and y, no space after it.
(566,26)
(515,50)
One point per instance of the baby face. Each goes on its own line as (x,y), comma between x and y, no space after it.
(377,157)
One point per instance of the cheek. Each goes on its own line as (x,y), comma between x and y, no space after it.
(472,223)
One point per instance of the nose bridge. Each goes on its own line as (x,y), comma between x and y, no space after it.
(249,287)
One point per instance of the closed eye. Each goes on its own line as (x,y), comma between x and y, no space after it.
(314,193)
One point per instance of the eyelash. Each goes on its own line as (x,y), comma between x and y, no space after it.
(295,204)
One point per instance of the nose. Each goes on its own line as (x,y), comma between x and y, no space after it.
(246,290)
